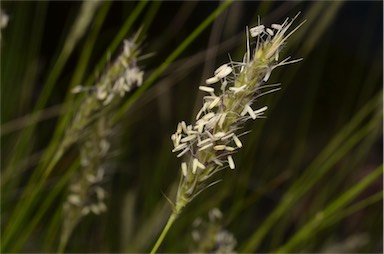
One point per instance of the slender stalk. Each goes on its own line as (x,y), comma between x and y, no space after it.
(171,219)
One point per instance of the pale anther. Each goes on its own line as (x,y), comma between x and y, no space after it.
(206,89)
(229,148)
(219,134)
(203,142)
(238,89)
(224,72)
(200,165)
(194,166)
(200,128)
(205,147)
(219,147)
(212,80)
(260,110)
(231,162)
(184,126)
(222,67)
(188,138)
(179,128)
(227,136)
(255,31)
(276,26)
(208,116)
(179,147)
(250,112)
(222,118)
(184,169)
(237,141)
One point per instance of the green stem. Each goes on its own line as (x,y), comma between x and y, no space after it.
(171,219)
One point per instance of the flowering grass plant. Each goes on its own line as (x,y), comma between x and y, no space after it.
(88,105)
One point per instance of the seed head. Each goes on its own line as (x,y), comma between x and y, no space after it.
(210,143)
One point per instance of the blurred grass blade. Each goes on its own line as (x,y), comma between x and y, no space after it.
(151,79)
(317,223)
(83,20)
(345,140)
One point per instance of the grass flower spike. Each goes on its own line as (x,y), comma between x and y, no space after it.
(209,144)
(91,129)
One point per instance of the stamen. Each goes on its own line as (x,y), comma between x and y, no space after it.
(237,141)
(255,31)
(206,89)
(212,80)
(224,72)
(219,134)
(231,162)
(184,169)
(188,138)
(260,110)
(219,147)
(276,26)
(205,147)
(179,147)
(250,111)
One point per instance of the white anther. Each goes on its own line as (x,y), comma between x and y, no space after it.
(219,147)
(184,169)
(206,89)
(212,80)
(250,111)
(200,128)
(228,136)
(208,116)
(205,147)
(237,141)
(260,110)
(224,72)
(179,128)
(203,142)
(231,162)
(255,31)
(222,118)
(221,67)
(188,138)
(194,166)
(179,147)
(184,126)
(276,26)
(238,89)
(229,148)
(219,134)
